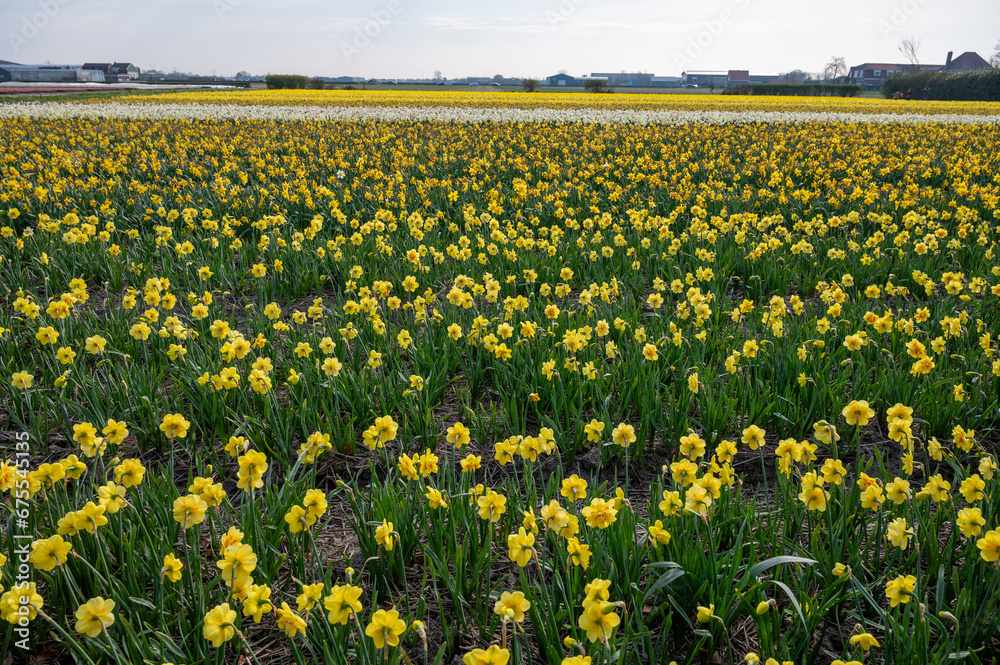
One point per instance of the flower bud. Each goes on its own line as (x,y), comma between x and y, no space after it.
(949,616)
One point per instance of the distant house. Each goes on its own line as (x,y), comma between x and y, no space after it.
(103,67)
(126,71)
(967,62)
(871,75)
(49,74)
(114,71)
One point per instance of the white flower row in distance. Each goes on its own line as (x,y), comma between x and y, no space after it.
(115,110)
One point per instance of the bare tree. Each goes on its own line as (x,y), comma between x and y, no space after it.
(437,75)
(995,58)
(795,76)
(834,69)
(910,48)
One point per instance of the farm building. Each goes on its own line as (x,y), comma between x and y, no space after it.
(564,80)
(624,79)
(572,81)
(764,77)
(343,79)
(49,74)
(724,79)
(114,71)
(665,81)
(705,78)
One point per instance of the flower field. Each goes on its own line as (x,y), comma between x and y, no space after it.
(569,100)
(291,111)
(397,387)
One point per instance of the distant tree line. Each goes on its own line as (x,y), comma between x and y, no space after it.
(286,82)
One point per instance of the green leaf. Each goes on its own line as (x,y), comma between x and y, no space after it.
(867,596)
(777,561)
(665,579)
(792,599)
(939,596)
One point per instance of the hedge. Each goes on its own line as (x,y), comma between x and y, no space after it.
(980,85)
(286,81)
(796,89)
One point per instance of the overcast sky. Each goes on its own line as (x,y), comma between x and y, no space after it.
(414,38)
